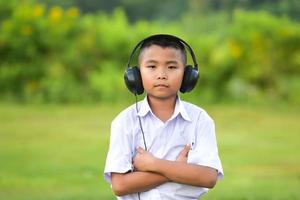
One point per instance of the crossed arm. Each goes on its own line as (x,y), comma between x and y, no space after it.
(151,172)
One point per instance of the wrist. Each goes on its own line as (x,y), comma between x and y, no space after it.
(154,166)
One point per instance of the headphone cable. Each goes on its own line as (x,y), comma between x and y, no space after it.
(142,130)
(140,123)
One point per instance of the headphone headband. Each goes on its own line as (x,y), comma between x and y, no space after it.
(158,36)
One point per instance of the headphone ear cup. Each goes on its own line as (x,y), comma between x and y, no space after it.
(133,80)
(190,78)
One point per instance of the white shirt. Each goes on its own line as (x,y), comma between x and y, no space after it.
(189,124)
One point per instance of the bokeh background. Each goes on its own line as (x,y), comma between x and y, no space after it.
(61,84)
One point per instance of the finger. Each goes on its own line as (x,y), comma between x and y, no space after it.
(140,149)
(185,150)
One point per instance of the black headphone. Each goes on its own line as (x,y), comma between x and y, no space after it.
(132,75)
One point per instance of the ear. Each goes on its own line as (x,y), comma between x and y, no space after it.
(133,80)
(190,78)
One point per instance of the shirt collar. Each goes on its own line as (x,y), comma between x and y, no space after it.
(144,108)
(179,109)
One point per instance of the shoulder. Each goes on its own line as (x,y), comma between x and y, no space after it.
(126,116)
(196,112)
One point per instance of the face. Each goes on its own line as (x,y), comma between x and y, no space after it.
(162,71)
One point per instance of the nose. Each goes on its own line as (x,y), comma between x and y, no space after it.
(162,74)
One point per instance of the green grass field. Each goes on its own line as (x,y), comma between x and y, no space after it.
(58,152)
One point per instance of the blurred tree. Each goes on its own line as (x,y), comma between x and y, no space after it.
(61,3)
(169,10)
(135,9)
(87,6)
(155,9)
(278,7)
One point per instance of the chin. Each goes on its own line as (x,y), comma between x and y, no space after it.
(162,96)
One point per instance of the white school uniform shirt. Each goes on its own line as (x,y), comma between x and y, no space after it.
(189,124)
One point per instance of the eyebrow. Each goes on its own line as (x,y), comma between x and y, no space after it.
(172,62)
(168,62)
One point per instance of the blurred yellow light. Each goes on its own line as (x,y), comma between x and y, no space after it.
(38,10)
(73,12)
(55,14)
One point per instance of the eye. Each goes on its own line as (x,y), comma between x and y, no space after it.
(151,66)
(172,67)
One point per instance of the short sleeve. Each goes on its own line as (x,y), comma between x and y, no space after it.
(204,150)
(119,156)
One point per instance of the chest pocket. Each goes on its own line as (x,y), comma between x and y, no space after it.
(179,139)
(175,144)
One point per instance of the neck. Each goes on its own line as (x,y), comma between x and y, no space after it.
(162,108)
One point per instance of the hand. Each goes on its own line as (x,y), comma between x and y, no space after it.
(183,156)
(143,161)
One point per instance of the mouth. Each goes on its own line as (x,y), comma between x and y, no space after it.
(161,85)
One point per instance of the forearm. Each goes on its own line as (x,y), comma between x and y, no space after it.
(185,173)
(134,182)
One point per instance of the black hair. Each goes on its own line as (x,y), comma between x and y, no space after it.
(165,41)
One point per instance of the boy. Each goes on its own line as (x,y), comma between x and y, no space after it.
(162,147)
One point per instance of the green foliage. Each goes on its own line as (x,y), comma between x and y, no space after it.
(51,54)
(250,55)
